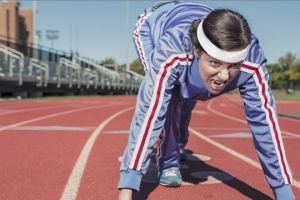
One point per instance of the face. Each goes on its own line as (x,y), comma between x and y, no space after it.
(216,74)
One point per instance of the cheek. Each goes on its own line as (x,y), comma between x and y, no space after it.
(234,73)
(202,74)
(206,72)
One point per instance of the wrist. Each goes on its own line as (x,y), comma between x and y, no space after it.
(125,194)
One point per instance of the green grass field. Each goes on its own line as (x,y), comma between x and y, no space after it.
(283,96)
(295,114)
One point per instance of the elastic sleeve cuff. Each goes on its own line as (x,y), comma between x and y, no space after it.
(130,179)
(284,193)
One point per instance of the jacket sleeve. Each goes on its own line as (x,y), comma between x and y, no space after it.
(165,64)
(261,114)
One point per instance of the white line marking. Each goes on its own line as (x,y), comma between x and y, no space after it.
(29,109)
(234,153)
(52,128)
(243,121)
(228,150)
(71,189)
(47,116)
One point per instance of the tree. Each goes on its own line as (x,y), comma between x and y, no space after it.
(108,61)
(276,76)
(137,67)
(290,67)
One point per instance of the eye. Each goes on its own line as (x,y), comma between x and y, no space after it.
(235,65)
(214,63)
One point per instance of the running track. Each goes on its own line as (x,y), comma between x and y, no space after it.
(69,149)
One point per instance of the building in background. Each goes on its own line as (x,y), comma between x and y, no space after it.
(16,26)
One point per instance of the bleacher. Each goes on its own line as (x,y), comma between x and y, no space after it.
(34,72)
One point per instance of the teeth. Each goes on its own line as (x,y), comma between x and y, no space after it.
(218,83)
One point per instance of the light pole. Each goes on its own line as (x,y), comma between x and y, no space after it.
(126,34)
(52,35)
(35,38)
(35,34)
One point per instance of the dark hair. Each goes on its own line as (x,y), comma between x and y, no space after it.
(226,29)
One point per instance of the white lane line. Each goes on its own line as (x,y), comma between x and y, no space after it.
(234,153)
(71,189)
(243,121)
(52,128)
(29,109)
(240,104)
(48,116)
(33,109)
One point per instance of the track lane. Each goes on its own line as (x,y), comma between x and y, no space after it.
(71,189)
(98,182)
(93,178)
(37,164)
(284,107)
(290,139)
(100,178)
(49,158)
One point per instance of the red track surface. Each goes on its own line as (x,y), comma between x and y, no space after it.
(70,149)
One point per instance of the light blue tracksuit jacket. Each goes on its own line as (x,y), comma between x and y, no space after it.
(172,81)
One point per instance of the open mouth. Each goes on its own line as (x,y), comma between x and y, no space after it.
(217,85)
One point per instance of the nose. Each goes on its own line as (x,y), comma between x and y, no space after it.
(224,74)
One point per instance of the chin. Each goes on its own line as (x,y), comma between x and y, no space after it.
(215,92)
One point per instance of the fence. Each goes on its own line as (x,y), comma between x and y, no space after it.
(29,71)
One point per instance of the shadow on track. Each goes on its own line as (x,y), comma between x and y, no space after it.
(196,171)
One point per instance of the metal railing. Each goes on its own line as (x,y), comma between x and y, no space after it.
(107,77)
(14,60)
(91,77)
(41,71)
(72,71)
(135,80)
(79,72)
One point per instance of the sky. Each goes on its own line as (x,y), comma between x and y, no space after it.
(99,29)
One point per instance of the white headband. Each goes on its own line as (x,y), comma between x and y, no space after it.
(212,50)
